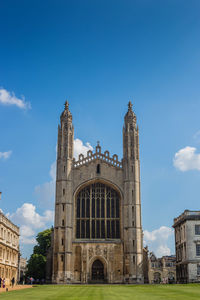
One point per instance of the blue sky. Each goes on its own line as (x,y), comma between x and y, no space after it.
(99,55)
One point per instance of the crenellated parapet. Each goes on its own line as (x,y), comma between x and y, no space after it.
(98,155)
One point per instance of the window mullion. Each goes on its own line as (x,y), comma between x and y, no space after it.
(90,211)
(105,212)
(80,213)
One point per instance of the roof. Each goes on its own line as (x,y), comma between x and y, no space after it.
(187,215)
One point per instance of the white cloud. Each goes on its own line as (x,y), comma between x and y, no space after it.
(158,240)
(5,155)
(7,98)
(27,240)
(46,192)
(30,222)
(27,215)
(163,250)
(26,231)
(27,235)
(80,148)
(187,159)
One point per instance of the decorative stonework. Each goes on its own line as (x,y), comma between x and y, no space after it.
(98,229)
(9,249)
(98,251)
(104,157)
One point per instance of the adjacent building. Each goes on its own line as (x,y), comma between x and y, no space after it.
(22,269)
(9,249)
(162,270)
(98,230)
(187,242)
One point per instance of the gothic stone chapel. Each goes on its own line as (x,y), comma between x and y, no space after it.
(97,232)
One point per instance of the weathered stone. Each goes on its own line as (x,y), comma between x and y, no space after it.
(9,249)
(114,256)
(187,242)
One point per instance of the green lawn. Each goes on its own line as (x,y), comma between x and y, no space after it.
(106,292)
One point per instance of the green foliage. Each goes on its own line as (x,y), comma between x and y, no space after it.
(44,242)
(36,266)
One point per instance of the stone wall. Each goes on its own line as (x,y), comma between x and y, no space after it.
(9,249)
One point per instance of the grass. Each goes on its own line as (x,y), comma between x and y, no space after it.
(106,292)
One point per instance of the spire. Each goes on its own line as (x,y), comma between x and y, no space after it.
(130,115)
(66,105)
(66,114)
(130,118)
(130,105)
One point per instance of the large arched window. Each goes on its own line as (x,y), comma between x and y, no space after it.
(97,213)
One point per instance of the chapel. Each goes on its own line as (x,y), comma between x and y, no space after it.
(97,235)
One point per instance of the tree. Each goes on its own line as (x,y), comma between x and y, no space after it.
(44,242)
(36,266)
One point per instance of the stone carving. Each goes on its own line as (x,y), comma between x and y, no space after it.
(105,251)
(98,250)
(84,255)
(98,155)
(91,252)
(111,256)
(100,170)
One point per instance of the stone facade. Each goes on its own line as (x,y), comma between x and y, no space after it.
(187,240)
(22,269)
(9,249)
(162,270)
(97,229)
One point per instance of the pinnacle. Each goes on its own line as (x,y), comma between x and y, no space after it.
(130,105)
(66,105)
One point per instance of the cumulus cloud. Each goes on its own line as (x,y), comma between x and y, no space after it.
(158,240)
(30,222)
(26,231)
(46,192)
(27,240)
(27,215)
(5,155)
(7,98)
(80,148)
(187,159)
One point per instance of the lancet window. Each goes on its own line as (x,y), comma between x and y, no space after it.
(98,212)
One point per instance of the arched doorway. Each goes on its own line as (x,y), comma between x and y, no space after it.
(97,270)
(157,277)
(171,278)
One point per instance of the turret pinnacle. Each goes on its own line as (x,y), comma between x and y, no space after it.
(66,114)
(130,105)
(130,116)
(66,105)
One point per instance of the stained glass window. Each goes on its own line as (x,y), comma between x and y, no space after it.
(98,213)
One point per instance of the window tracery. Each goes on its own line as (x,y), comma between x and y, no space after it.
(97,213)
